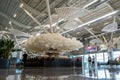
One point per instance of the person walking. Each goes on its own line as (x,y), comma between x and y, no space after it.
(93,61)
(89,61)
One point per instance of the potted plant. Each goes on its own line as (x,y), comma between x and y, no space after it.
(6,46)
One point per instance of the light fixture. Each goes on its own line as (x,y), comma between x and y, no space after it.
(86,6)
(37,34)
(58,22)
(94,4)
(14,15)
(106,23)
(48,26)
(9,22)
(100,18)
(57,27)
(21,5)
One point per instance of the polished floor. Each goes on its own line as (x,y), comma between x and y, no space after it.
(58,74)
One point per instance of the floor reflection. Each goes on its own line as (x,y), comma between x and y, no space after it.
(58,74)
(113,74)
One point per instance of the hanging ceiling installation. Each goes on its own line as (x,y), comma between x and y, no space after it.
(71,17)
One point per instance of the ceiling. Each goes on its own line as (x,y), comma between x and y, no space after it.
(38,9)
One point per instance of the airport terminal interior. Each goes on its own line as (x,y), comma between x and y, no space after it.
(59,39)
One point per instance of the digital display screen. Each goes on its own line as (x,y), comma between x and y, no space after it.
(90,49)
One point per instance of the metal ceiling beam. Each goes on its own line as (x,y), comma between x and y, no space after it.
(35,20)
(20,14)
(14,21)
(53,3)
(32,10)
(15,37)
(39,4)
(37,16)
(87,29)
(93,21)
(112,9)
(7,5)
(49,14)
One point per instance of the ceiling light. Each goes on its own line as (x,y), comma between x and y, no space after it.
(47,26)
(94,4)
(9,22)
(106,23)
(67,31)
(38,34)
(90,4)
(21,5)
(57,27)
(58,22)
(37,27)
(14,15)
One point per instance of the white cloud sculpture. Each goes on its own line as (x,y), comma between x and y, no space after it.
(45,42)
